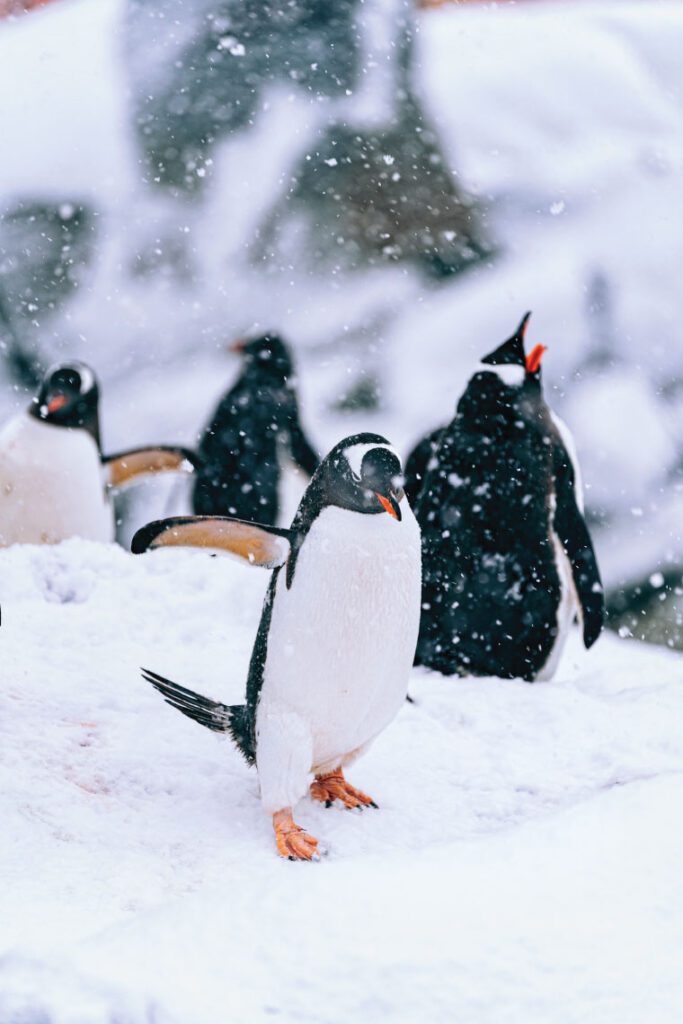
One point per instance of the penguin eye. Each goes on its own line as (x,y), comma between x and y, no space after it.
(70,380)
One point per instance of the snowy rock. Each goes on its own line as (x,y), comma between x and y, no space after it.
(626,447)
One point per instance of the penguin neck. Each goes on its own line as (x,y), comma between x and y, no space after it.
(314,502)
(496,415)
(258,376)
(310,507)
(88,420)
(91,424)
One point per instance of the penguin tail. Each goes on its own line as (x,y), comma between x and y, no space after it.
(230,718)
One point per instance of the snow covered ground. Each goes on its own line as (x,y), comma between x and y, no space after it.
(524,866)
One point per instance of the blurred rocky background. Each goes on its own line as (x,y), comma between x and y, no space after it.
(391,188)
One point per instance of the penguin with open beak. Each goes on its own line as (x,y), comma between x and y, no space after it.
(54,480)
(335,645)
(508,561)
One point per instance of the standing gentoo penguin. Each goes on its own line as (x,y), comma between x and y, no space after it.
(507,557)
(333,651)
(254,427)
(54,480)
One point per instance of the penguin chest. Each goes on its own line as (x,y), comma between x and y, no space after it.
(566,609)
(51,485)
(342,639)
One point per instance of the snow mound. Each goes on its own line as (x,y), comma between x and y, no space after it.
(508,875)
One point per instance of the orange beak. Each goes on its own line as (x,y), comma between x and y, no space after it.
(390,505)
(58,402)
(533,360)
(237,346)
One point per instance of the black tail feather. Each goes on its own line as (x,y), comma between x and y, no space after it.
(210,713)
(234,719)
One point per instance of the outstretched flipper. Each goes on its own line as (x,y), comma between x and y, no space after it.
(232,718)
(267,546)
(123,467)
(573,534)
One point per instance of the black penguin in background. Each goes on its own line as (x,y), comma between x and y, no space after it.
(507,558)
(335,645)
(255,424)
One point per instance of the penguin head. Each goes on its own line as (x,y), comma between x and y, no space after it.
(266,356)
(69,397)
(506,380)
(363,474)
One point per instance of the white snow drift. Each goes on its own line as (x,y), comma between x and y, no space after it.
(524,864)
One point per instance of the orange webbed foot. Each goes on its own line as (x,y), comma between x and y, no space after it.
(333,786)
(293,842)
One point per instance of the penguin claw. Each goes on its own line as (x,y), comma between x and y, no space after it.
(293,842)
(333,788)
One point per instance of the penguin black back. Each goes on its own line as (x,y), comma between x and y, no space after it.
(254,424)
(422,458)
(491,511)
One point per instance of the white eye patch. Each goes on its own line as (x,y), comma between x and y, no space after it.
(510,374)
(355,455)
(86,375)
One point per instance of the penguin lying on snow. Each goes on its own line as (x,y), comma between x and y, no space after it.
(54,479)
(333,651)
(255,426)
(507,557)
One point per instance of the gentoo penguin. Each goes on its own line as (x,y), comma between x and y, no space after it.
(507,558)
(54,480)
(255,426)
(334,648)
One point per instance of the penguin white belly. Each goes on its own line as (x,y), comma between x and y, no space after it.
(340,647)
(51,485)
(566,609)
(569,603)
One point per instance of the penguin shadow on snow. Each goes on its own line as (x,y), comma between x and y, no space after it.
(334,648)
(508,561)
(55,480)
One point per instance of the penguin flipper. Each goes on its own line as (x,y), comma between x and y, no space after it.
(570,527)
(123,467)
(266,546)
(300,448)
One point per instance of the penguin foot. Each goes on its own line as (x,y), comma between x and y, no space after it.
(293,842)
(333,786)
